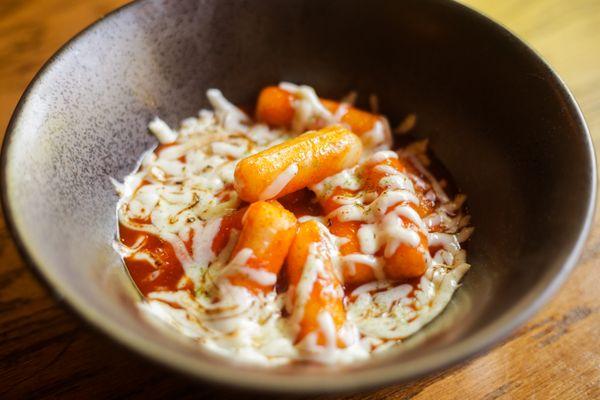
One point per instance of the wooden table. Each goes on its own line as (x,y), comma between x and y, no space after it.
(48,352)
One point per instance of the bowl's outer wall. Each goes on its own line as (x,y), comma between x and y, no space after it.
(494,113)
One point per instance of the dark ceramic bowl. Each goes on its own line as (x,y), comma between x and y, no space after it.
(496,115)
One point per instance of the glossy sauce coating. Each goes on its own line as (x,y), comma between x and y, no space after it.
(323,292)
(407,261)
(275,107)
(166,275)
(267,233)
(317,256)
(300,162)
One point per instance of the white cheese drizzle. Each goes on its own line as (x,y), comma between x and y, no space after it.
(161,130)
(380,156)
(182,192)
(280,182)
(307,107)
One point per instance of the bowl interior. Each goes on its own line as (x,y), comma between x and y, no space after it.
(496,116)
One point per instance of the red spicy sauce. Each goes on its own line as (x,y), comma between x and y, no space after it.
(301,203)
(165,275)
(167,272)
(228,223)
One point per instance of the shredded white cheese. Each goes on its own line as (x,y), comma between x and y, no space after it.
(161,130)
(280,182)
(181,193)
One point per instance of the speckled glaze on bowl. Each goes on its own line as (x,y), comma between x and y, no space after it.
(496,115)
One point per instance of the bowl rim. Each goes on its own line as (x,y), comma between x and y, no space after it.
(259,379)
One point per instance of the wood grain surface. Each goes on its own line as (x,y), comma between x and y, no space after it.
(46,352)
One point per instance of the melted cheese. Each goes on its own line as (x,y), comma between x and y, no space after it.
(161,130)
(238,265)
(375,136)
(279,183)
(181,192)
(307,106)
(346,179)
(380,156)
